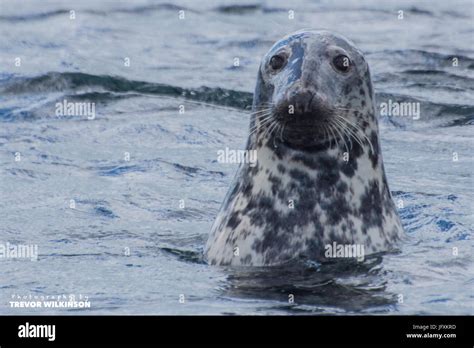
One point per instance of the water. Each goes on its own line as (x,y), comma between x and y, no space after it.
(134,205)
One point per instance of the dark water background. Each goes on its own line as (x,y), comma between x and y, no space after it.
(136,204)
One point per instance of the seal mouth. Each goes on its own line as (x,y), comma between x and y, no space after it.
(317,127)
(304,118)
(306,136)
(307,129)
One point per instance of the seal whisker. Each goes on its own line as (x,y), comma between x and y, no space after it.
(356,127)
(265,123)
(343,128)
(326,135)
(261,125)
(271,129)
(333,135)
(195,102)
(281,132)
(345,109)
(348,134)
(279,127)
(262,119)
(341,136)
(355,134)
(275,129)
(336,135)
(266,130)
(354,130)
(261,111)
(330,136)
(344,135)
(266,107)
(261,116)
(359,130)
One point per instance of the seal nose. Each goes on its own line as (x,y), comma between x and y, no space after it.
(300,101)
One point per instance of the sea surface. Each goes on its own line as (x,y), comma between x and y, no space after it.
(120,205)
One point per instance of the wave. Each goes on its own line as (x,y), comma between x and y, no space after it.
(34,16)
(145,9)
(444,114)
(73,81)
(427,77)
(118,170)
(60,12)
(426,60)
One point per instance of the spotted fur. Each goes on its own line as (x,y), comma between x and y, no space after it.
(302,194)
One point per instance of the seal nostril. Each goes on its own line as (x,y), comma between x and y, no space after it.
(303,101)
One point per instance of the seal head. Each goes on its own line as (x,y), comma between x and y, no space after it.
(319,179)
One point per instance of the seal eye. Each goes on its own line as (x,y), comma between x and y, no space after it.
(342,63)
(277,62)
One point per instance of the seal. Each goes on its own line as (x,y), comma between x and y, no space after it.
(319,179)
